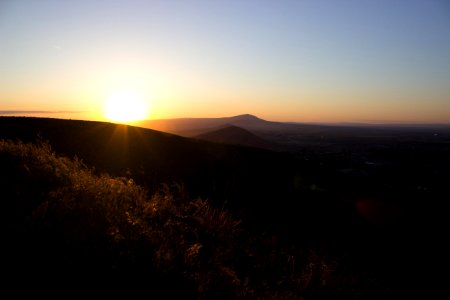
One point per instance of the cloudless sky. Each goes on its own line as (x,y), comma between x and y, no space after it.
(306,61)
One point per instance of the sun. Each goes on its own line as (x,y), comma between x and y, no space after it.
(126,106)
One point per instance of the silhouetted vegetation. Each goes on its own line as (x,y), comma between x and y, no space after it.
(63,220)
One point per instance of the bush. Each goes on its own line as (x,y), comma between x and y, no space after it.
(95,229)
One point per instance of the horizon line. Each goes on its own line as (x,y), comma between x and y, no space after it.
(336,123)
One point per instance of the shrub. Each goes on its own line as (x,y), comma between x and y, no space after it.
(63,219)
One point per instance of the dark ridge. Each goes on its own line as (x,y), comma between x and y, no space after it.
(235,135)
(228,174)
(246,117)
(191,127)
(246,180)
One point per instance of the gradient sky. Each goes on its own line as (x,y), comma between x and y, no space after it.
(306,61)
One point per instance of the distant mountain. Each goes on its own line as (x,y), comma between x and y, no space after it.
(236,135)
(246,118)
(293,135)
(191,127)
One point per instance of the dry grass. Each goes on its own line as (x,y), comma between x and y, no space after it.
(81,221)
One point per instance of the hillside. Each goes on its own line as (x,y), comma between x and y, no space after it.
(67,231)
(236,136)
(309,195)
(377,210)
(152,157)
(242,178)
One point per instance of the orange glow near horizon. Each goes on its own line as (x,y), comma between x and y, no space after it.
(302,61)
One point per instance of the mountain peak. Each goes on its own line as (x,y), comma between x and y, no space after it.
(246,117)
(231,134)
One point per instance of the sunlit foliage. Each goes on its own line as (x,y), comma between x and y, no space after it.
(62,218)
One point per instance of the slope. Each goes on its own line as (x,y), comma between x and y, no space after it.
(255,183)
(236,136)
(226,173)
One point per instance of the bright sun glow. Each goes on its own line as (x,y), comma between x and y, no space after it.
(126,106)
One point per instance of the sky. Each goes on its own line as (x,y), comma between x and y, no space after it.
(303,61)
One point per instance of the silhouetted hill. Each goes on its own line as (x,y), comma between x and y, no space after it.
(311,183)
(236,136)
(246,180)
(246,117)
(226,173)
(190,127)
(298,137)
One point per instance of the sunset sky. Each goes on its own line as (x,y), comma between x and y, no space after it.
(303,60)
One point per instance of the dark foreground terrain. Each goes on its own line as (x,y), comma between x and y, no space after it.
(346,214)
